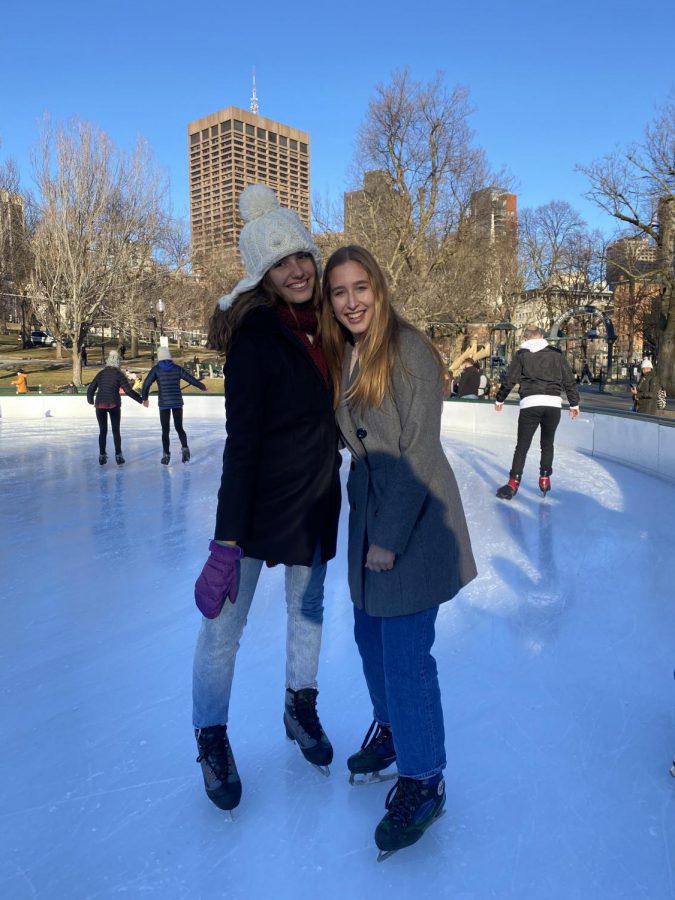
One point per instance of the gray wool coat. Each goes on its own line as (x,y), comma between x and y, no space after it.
(402,492)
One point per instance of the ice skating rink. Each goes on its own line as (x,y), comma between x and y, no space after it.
(556,669)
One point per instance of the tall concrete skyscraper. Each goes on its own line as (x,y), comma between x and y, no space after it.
(229,150)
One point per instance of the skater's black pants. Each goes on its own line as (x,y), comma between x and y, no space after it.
(102,418)
(165,419)
(531,418)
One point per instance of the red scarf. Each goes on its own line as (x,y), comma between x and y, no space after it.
(302,321)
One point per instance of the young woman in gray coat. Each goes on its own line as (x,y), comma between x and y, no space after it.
(409,548)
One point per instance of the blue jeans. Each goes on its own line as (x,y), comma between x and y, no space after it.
(218,640)
(403,685)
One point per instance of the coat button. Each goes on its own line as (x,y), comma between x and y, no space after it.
(361,433)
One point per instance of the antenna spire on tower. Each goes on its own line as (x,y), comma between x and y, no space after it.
(254,97)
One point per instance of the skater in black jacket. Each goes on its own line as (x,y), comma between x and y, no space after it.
(542,373)
(168,376)
(104,393)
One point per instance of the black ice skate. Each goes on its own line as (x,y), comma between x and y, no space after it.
(119,459)
(303,726)
(221,779)
(186,454)
(412,806)
(165,459)
(102,459)
(544,484)
(509,490)
(376,753)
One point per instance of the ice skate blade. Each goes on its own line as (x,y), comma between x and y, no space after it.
(359,778)
(323,770)
(385,854)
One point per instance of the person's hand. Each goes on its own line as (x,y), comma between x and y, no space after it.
(574,412)
(146,403)
(219,579)
(499,407)
(378,559)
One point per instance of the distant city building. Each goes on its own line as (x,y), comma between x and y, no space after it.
(12,233)
(630,257)
(495,212)
(371,215)
(13,255)
(229,150)
(636,266)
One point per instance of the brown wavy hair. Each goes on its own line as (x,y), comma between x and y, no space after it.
(378,347)
(224,323)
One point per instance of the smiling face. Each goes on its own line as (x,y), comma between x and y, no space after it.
(293,277)
(352,297)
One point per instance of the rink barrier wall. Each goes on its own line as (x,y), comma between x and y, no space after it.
(644,443)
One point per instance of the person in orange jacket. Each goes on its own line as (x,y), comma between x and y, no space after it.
(21,382)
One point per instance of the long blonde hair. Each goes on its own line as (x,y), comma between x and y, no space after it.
(378,347)
(224,323)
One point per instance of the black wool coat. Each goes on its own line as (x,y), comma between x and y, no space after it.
(280,489)
(105,388)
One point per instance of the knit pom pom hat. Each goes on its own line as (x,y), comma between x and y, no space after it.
(163,353)
(113,359)
(270,232)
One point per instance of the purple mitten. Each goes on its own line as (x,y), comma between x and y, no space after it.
(219,579)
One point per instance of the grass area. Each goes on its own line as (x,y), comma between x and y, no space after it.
(44,367)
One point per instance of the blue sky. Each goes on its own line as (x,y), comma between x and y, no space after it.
(553,84)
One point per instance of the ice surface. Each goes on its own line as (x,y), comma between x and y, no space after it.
(555,664)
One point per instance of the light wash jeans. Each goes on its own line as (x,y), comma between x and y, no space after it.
(218,639)
(402,681)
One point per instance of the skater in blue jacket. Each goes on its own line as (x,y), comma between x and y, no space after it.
(168,376)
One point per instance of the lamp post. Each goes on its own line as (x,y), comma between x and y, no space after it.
(160,310)
(153,322)
(504,327)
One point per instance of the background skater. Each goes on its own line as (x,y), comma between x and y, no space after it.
(542,373)
(104,394)
(168,376)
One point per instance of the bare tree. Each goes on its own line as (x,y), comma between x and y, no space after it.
(15,251)
(561,260)
(100,212)
(636,186)
(416,167)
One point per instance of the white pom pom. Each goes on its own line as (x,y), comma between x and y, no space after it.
(255,201)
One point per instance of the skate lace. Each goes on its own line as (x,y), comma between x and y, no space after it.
(307,715)
(402,801)
(216,752)
(381,736)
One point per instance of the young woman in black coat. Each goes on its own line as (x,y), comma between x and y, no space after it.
(279,497)
(104,394)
